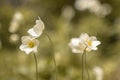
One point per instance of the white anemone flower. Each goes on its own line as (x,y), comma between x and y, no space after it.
(29,44)
(90,42)
(37,29)
(78,45)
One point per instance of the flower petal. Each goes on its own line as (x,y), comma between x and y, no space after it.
(93,38)
(33,33)
(74,41)
(76,45)
(26,49)
(84,36)
(26,44)
(25,39)
(95,43)
(37,29)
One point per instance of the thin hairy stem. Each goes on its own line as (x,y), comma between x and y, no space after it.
(53,56)
(87,67)
(35,57)
(83,63)
(83,66)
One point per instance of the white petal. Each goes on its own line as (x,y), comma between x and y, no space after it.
(40,23)
(21,47)
(88,49)
(35,49)
(76,45)
(37,29)
(26,49)
(33,33)
(74,41)
(36,42)
(25,39)
(94,48)
(95,43)
(93,38)
(84,37)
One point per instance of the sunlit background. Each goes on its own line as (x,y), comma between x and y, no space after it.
(63,19)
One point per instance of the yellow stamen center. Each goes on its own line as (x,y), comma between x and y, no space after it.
(30,44)
(89,43)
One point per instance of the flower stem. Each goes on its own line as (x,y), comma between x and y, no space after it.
(87,67)
(84,65)
(35,57)
(53,56)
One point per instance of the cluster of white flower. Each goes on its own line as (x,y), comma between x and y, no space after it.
(98,72)
(84,42)
(66,10)
(93,6)
(16,21)
(78,45)
(30,43)
(14,26)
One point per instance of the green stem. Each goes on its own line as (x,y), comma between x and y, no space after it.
(35,57)
(53,56)
(87,67)
(83,66)
(83,63)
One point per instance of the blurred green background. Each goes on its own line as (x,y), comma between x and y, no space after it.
(63,19)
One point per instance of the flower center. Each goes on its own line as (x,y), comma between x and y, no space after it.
(30,44)
(90,43)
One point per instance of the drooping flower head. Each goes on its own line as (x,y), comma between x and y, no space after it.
(78,45)
(29,44)
(37,29)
